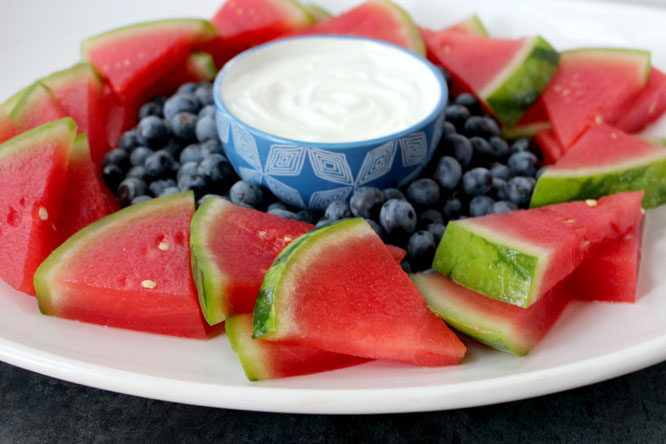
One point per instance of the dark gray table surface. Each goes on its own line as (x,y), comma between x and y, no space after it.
(39,409)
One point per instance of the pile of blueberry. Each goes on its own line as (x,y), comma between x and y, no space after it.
(474,171)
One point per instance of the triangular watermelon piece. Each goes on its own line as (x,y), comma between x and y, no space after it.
(551,148)
(33,168)
(337,288)
(263,360)
(36,107)
(377,19)
(134,57)
(87,199)
(605,161)
(508,76)
(7,127)
(141,280)
(518,257)
(591,87)
(647,107)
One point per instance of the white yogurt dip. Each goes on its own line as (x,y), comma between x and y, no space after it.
(330,89)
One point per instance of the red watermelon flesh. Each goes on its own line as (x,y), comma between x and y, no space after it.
(7,127)
(591,87)
(647,107)
(120,116)
(377,19)
(551,149)
(263,360)
(128,270)
(33,168)
(197,67)
(534,121)
(87,199)
(133,58)
(37,107)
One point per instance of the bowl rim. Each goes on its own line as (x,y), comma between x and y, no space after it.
(438,109)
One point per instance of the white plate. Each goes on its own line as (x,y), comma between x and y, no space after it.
(591,342)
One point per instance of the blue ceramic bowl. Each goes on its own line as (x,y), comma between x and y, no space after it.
(313,174)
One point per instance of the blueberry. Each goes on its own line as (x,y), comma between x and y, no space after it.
(206,129)
(285,214)
(376,227)
(449,129)
(447,173)
(499,149)
(150,109)
(193,182)
(207,196)
(181,102)
(183,125)
(477,181)
(276,205)
(139,155)
(460,147)
(204,94)
(423,192)
(321,222)
(520,145)
(169,191)
(479,205)
(406,267)
(499,188)
(117,157)
(541,171)
(138,171)
(217,169)
(482,149)
(208,110)
(502,207)
(366,202)
(305,216)
(523,163)
(337,210)
(437,231)
(452,208)
(244,192)
(470,102)
(159,164)
(173,147)
(397,216)
(128,140)
(212,146)
(157,186)
(152,131)
(429,216)
(187,88)
(187,168)
(457,115)
(519,190)
(112,176)
(193,153)
(421,249)
(393,193)
(129,189)
(500,171)
(482,126)
(140,199)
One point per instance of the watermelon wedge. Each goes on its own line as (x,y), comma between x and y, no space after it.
(517,257)
(337,288)
(534,121)
(87,199)
(508,76)
(36,107)
(133,58)
(647,107)
(270,359)
(33,168)
(551,149)
(605,161)
(495,323)
(141,279)
(591,87)
(377,19)
(10,103)
(7,127)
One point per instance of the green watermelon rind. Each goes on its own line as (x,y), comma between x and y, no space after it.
(646,173)
(474,26)
(317,12)
(45,279)
(525,131)
(517,268)
(203,28)
(521,83)
(27,139)
(209,282)
(298,14)
(245,347)
(416,42)
(643,56)
(271,303)
(34,93)
(11,102)
(203,64)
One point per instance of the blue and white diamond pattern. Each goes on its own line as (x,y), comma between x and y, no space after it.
(377,162)
(331,166)
(414,149)
(224,126)
(321,199)
(246,146)
(437,132)
(250,175)
(285,160)
(284,192)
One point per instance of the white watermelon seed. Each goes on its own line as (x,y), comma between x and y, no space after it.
(148,284)
(163,246)
(591,202)
(288,238)
(642,210)
(43,214)
(570,221)
(586,244)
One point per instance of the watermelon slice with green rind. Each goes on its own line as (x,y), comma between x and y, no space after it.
(263,360)
(337,288)
(36,107)
(518,257)
(605,161)
(133,58)
(33,168)
(508,76)
(593,86)
(647,107)
(7,127)
(128,270)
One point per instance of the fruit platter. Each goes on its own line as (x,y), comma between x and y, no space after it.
(505,243)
